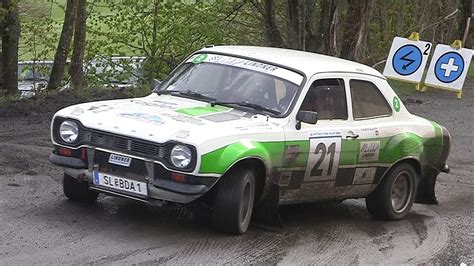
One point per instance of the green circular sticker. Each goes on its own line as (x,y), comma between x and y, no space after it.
(396,104)
(199,59)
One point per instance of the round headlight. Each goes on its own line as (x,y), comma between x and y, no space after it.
(181,156)
(69,131)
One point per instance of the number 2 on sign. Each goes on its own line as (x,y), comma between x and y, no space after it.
(323,159)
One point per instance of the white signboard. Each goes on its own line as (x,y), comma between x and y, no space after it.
(407,59)
(448,67)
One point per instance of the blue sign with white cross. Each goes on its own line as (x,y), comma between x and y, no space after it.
(449,67)
(407,60)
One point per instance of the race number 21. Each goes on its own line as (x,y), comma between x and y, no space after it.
(323,159)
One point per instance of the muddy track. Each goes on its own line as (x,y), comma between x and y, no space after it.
(40,226)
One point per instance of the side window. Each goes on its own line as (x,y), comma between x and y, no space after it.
(367,100)
(328,98)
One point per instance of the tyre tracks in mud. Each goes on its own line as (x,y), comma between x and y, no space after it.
(364,241)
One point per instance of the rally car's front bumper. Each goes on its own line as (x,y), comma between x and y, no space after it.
(163,185)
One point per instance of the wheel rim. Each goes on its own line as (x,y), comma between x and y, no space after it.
(244,209)
(401,192)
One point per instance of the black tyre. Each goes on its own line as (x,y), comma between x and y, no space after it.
(394,196)
(234,202)
(76,190)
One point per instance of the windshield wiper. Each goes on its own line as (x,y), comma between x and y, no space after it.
(247,104)
(189,93)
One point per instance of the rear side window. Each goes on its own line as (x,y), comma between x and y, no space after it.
(367,100)
(328,98)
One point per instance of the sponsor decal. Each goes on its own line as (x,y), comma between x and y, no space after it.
(396,104)
(120,160)
(77,111)
(248,64)
(184,118)
(285,178)
(369,151)
(199,58)
(256,126)
(182,134)
(326,134)
(100,108)
(291,153)
(364,175)
(156,103)
(154,119)
(202,110)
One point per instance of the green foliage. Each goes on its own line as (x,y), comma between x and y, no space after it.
(165,32)
(402,88)
(38,40)
(470,72)
(109,71)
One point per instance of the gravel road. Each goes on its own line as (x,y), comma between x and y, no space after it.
(39,226)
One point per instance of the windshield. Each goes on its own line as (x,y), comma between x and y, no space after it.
(234,80)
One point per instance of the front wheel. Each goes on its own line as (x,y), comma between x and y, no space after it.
(76,190)
(234,201)
(394,196)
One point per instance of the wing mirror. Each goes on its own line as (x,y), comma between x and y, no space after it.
(308,117)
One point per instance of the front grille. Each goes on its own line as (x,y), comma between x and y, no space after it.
(126,144)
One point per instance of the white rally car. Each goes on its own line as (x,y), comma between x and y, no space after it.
(246,129)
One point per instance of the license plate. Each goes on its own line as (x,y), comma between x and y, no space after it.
(120,183)
(120,160)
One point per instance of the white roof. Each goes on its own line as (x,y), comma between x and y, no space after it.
(308,63)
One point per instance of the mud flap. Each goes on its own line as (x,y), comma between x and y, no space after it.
(267,212)
(426,190)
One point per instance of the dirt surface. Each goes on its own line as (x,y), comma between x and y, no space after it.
(40,226)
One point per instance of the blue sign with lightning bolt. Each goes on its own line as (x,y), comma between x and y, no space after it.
(407,59)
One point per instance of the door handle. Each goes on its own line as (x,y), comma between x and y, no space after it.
(351,135)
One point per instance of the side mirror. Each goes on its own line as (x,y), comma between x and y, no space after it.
(308,117)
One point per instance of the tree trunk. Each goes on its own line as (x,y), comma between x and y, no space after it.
(361,44)
(332,36)
(57,71)
(401,17)
(356,20)
(327,27)
(272,33)
(292,24)
(77,73)
(10,38)
(464,24)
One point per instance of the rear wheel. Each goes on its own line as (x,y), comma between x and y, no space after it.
(394,196)
(76,190)
(234,201)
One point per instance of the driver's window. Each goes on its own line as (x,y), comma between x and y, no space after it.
(327,97)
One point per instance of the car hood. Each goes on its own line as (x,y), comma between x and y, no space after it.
(165,117)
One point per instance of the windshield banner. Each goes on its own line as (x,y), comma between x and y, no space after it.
(247,64)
